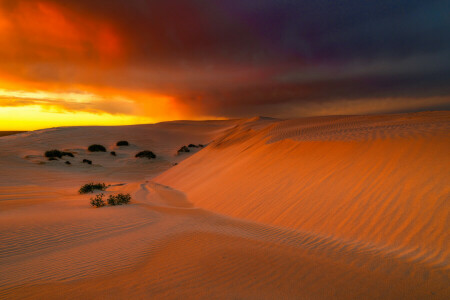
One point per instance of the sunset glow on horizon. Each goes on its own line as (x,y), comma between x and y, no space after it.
(88,63)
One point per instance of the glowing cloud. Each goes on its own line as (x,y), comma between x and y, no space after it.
(162,60)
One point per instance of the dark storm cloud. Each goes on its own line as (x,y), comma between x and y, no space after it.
(229,58)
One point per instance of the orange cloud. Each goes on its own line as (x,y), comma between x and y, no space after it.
(43,31)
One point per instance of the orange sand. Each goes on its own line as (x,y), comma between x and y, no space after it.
(316,208)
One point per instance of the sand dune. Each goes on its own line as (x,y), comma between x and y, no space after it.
(348,207)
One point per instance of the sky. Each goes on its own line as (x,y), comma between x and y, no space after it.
(115,62)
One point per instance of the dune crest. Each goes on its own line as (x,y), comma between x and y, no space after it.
(376,180)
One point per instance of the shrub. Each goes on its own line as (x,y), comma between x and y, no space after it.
(67,154)
(52,158)
(122,143)
(67,162)
(56,153)
(113,153)
(87,161)
(192,146)
(119,199)
(90,187)
(183,149)
(146,153)
(98,201)
(53,153)
(96,148)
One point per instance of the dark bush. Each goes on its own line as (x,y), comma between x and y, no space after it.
(98,201)
(201,145)
(90,187)
(96,148)
(122,143)
(67,154)
(53,153)
(146,153)
(183,149)
(192,146)
(52,158)
(113,153)
(67,162)
(57,153)
(119,199)
(87,161)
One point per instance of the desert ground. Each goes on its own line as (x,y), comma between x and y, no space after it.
(335,207)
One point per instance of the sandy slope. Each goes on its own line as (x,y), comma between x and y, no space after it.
(317,208)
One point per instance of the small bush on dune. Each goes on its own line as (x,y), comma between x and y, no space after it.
(87,161)
(122,143)
(67,162)
(67,154)
(90,187)
(96,148)
(52,158)
(183,149)
(113,153)
(146,153)
(119,199)
(56,153)
(53,153)
(98,201)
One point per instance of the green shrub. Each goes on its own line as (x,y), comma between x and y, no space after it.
(183,149)
(96,148)
(56,153)
(119,199)
(90,187)
(53,153)
(98,201)
(122,143)
(67,154)
(146,153)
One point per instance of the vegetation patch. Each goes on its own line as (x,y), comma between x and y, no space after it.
(67,154)
(68,162)
(119,199)
(91,187)
(195,146)
(122,143)
(56,153)
(113,153)
(96,148)
(87,161)
(183,149)
(146,154)
(98,201)
(52,158)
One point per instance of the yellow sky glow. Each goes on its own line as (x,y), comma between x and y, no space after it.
(34,117)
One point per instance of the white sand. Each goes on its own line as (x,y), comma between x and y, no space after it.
(316,208)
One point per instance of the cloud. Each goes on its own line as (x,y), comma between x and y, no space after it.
(190,59)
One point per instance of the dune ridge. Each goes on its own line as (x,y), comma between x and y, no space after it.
(377,180)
